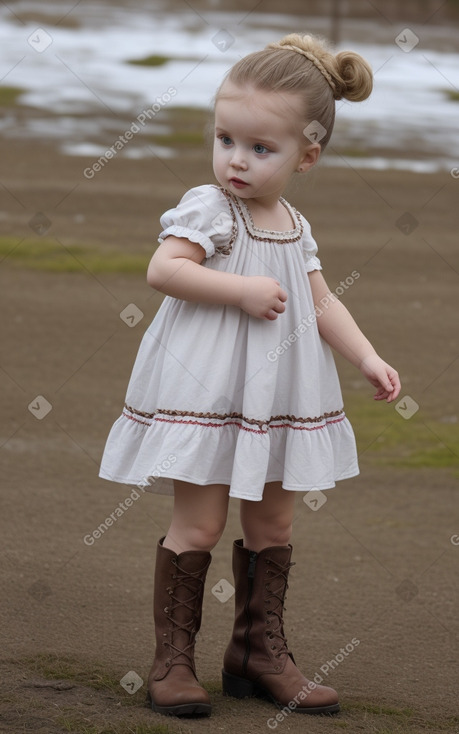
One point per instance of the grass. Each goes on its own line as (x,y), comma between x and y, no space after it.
(385,437)
(212,686)
(452,95)
(52,256)
(402,720)
(45,18)
(188,127)
(157,60)
(72,723)
(356,714)
(9,96)
(377,710)
(97,677)
(91,675)
(353,152)
(66,667)
(185,115)
(153,60)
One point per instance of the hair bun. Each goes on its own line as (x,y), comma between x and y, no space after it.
(355,76)
(348,74)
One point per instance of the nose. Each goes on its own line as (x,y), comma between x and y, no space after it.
(238,159)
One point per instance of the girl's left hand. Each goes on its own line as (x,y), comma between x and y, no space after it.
(382,376)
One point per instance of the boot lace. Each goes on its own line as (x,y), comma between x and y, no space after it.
(193,582)
(276,589)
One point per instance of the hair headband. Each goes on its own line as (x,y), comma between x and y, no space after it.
(318,64)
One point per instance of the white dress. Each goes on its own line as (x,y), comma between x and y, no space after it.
(220,397)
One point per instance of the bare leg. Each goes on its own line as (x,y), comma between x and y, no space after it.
(198,517)
(269,522)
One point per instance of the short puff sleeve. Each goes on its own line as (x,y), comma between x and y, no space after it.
(310,248)
(204,216)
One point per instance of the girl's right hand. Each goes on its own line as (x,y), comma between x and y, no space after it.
(262,297)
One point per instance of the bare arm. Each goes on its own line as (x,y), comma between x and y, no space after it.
(340,331)
(175,269)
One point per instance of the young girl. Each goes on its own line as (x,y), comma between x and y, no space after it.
(234,392)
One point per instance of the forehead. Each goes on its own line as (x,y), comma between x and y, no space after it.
(255,109)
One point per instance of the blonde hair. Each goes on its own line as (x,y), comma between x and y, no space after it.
(304,64)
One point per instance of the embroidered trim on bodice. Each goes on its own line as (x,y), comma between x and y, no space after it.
(257,233)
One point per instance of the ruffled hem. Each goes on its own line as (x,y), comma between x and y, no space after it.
(313,457)
(312,263)
(190,234)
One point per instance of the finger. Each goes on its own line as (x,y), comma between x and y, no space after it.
(385,381)
(271,315)
(395,386)
(282,295)
(388,395)
(394,378)
(394,395)
(382,392)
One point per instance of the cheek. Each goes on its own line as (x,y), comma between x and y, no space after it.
(216,155)
(214,159)
(219,152)
(219,163)
(270,167)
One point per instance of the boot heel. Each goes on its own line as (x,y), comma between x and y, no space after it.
(237,687)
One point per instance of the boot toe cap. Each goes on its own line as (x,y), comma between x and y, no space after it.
(177,689)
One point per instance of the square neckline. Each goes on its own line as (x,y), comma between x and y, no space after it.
(278,235)
(286,206)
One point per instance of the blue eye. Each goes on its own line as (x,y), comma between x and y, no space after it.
(226,140)
(260,149)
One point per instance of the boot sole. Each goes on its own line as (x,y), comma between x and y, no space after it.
(238,687)
(181,709)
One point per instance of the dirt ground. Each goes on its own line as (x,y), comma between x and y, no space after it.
(377,563)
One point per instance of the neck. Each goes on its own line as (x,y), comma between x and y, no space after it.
(271,215)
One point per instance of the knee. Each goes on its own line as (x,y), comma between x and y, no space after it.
(278,533)
(201,537)
(269,530)
(206,537)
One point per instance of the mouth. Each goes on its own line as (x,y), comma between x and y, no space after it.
(238,182)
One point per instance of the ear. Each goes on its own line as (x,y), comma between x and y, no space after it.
(309,157)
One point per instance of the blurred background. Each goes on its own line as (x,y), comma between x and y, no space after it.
(91,67)
(105,112)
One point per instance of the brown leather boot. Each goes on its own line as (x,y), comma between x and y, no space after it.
(179,587)
(257,661)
